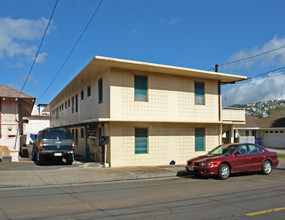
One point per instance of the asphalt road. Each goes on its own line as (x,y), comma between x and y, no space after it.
(170,198)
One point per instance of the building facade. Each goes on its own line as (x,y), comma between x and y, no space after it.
(152,114)
(36,122)
(269,132)
(14,105)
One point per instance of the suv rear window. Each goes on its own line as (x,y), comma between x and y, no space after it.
(56,134)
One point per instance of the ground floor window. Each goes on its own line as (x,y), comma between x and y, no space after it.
(141,136)
(199,139)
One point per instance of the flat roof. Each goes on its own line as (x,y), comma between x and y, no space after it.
(100,64)
(166,69)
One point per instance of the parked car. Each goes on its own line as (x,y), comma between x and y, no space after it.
(53,144)
(233,158)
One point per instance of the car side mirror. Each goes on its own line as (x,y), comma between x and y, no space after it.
(237,153)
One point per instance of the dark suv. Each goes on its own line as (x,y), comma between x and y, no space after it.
(53,144)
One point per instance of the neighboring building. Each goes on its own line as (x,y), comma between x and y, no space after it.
(36,122)
(269,132)
(13,107)
(39,110)
(151,113)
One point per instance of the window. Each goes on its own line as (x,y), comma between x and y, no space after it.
(141,140)
(266,131)
(141,88)
(82,94)
(199,93)
(62,107)
(199,139)
(242,149)
(76,136)
(82,133)
(276,131)
(89,91)
(72,100)
(76,103)
(247,133)
(280,131)
(57,113)
(271,132)
(253,149)
(100,90)
(68,102)
(65,105)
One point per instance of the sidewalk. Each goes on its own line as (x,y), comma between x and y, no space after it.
(25,176)
(26,173)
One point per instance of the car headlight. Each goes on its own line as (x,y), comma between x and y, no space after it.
(206,164)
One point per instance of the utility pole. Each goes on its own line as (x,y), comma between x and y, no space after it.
(217,67)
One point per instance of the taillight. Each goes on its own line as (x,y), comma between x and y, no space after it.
(41,145)
(73,145)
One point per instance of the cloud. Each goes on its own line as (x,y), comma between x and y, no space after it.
(18,36)
(276,57)
(173,21)
(255,90)
(31,79)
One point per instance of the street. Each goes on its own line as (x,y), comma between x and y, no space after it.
(185,197)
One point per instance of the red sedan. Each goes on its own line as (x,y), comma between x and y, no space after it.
(233,158)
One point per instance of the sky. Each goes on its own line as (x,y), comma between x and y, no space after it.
(185,33)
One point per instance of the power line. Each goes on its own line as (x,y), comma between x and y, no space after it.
(265,73)
(39,48)
(250,57)
(72,50)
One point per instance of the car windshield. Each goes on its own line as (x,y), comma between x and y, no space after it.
(57,134)
(223,150)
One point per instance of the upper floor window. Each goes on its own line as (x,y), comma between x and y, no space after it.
(141,88)
(82,95)
(88,91)
(72,103)
(76,103)
(199,93)
(100,90)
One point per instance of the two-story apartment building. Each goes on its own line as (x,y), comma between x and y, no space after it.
(151,113)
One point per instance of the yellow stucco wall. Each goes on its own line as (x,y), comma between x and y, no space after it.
(166,142)
(170,98)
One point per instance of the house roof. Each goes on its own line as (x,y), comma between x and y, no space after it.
(262,123)
(27,101)
(100,64)
(7,92)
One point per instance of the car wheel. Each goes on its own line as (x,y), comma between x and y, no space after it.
(224,171)
(33,155)
(266,167)
(69,160)
(38,159)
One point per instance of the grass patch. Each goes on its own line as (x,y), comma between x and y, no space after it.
(281,155)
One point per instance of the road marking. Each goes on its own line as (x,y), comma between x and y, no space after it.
(265,211)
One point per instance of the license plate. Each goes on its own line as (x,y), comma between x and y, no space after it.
(57,154)
(190,168)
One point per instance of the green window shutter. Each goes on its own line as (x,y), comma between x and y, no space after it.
(141,88)
(141,137)
(199,93)
(199,139)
